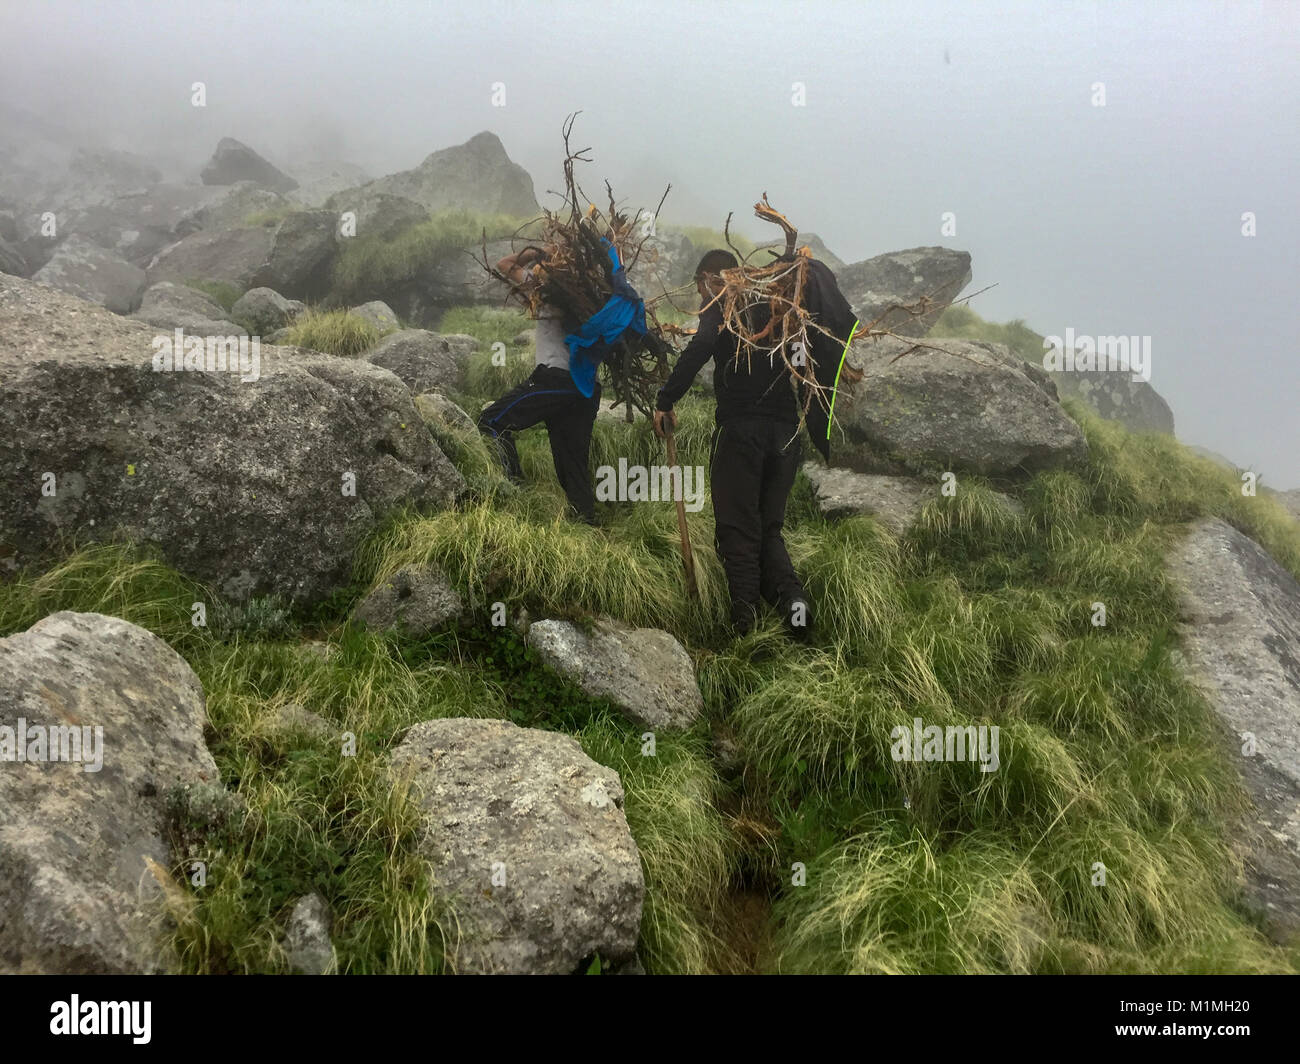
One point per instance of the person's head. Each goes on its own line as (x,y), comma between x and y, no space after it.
(708,277)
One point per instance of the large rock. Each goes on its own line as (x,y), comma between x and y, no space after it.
(229,207)
(378,214)
(527,839)
(264,310)
(231,255)
(177,306)
(233,162)
(425,361)
(643,671)
(90,272)
(950,405)
(76,892)
(137,225)
(301,256)
(415,599)
(1117,397)
(923,278)
(1240,626)
(476,175)
(240,483)
(379,314)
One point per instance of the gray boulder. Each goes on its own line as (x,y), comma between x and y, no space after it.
(477,175)
(425,361)
(527,840)
(233,162)
(301,256)
(228,207)
(379,314)
(231,255)
(645,672)
(1117,397)
(378,214)
(307,945)
(415,599)
(950,405)
(895,502)
(264,310)
(257,482)
(77,891)
(177,306)
(1240,627)
(137,225)
(922,278)
(11,259)
(88,271)
(297,719)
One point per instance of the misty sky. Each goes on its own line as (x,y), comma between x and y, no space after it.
(1123,219)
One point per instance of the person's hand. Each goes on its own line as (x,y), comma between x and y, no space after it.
(665,418)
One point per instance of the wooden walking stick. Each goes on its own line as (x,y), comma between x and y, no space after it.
(688,559)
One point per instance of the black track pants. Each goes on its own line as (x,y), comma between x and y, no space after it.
(753,469)
(549,395)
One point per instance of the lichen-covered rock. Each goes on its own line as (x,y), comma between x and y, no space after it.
(177,306)
(960,405)
(88,271)
(77,894)
(527,840)
(644,671)
(379,314)
(260,483)
(307,944)
(1240,626)
(415,599)
(895,502)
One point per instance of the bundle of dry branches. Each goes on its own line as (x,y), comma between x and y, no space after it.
(576,277)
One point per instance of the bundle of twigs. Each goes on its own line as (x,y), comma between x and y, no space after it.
(576,277)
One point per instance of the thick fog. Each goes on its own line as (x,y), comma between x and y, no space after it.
(1117,219)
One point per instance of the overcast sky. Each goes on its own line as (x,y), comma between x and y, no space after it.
(1122,219)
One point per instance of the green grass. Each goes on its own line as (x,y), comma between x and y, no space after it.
(220,291)
(335,332)
(978,615)
(960,322)
(369,266)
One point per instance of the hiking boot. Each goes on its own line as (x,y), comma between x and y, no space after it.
(797,617)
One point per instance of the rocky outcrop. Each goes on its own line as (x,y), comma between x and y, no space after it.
(233,162)
(86,270)
(527,841)
(77,891)
(425,361)
(1117,397)
(177,306)
(926,278)
(231,255)
(645,672)
(950,405)
(258,479)
(477,175)
(1240,627)
(378,214)
(416,600)
(301,256)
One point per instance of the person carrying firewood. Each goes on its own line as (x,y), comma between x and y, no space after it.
(549,395)
(755,444)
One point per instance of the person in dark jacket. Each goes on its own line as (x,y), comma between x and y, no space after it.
(756,453)
(549,395)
